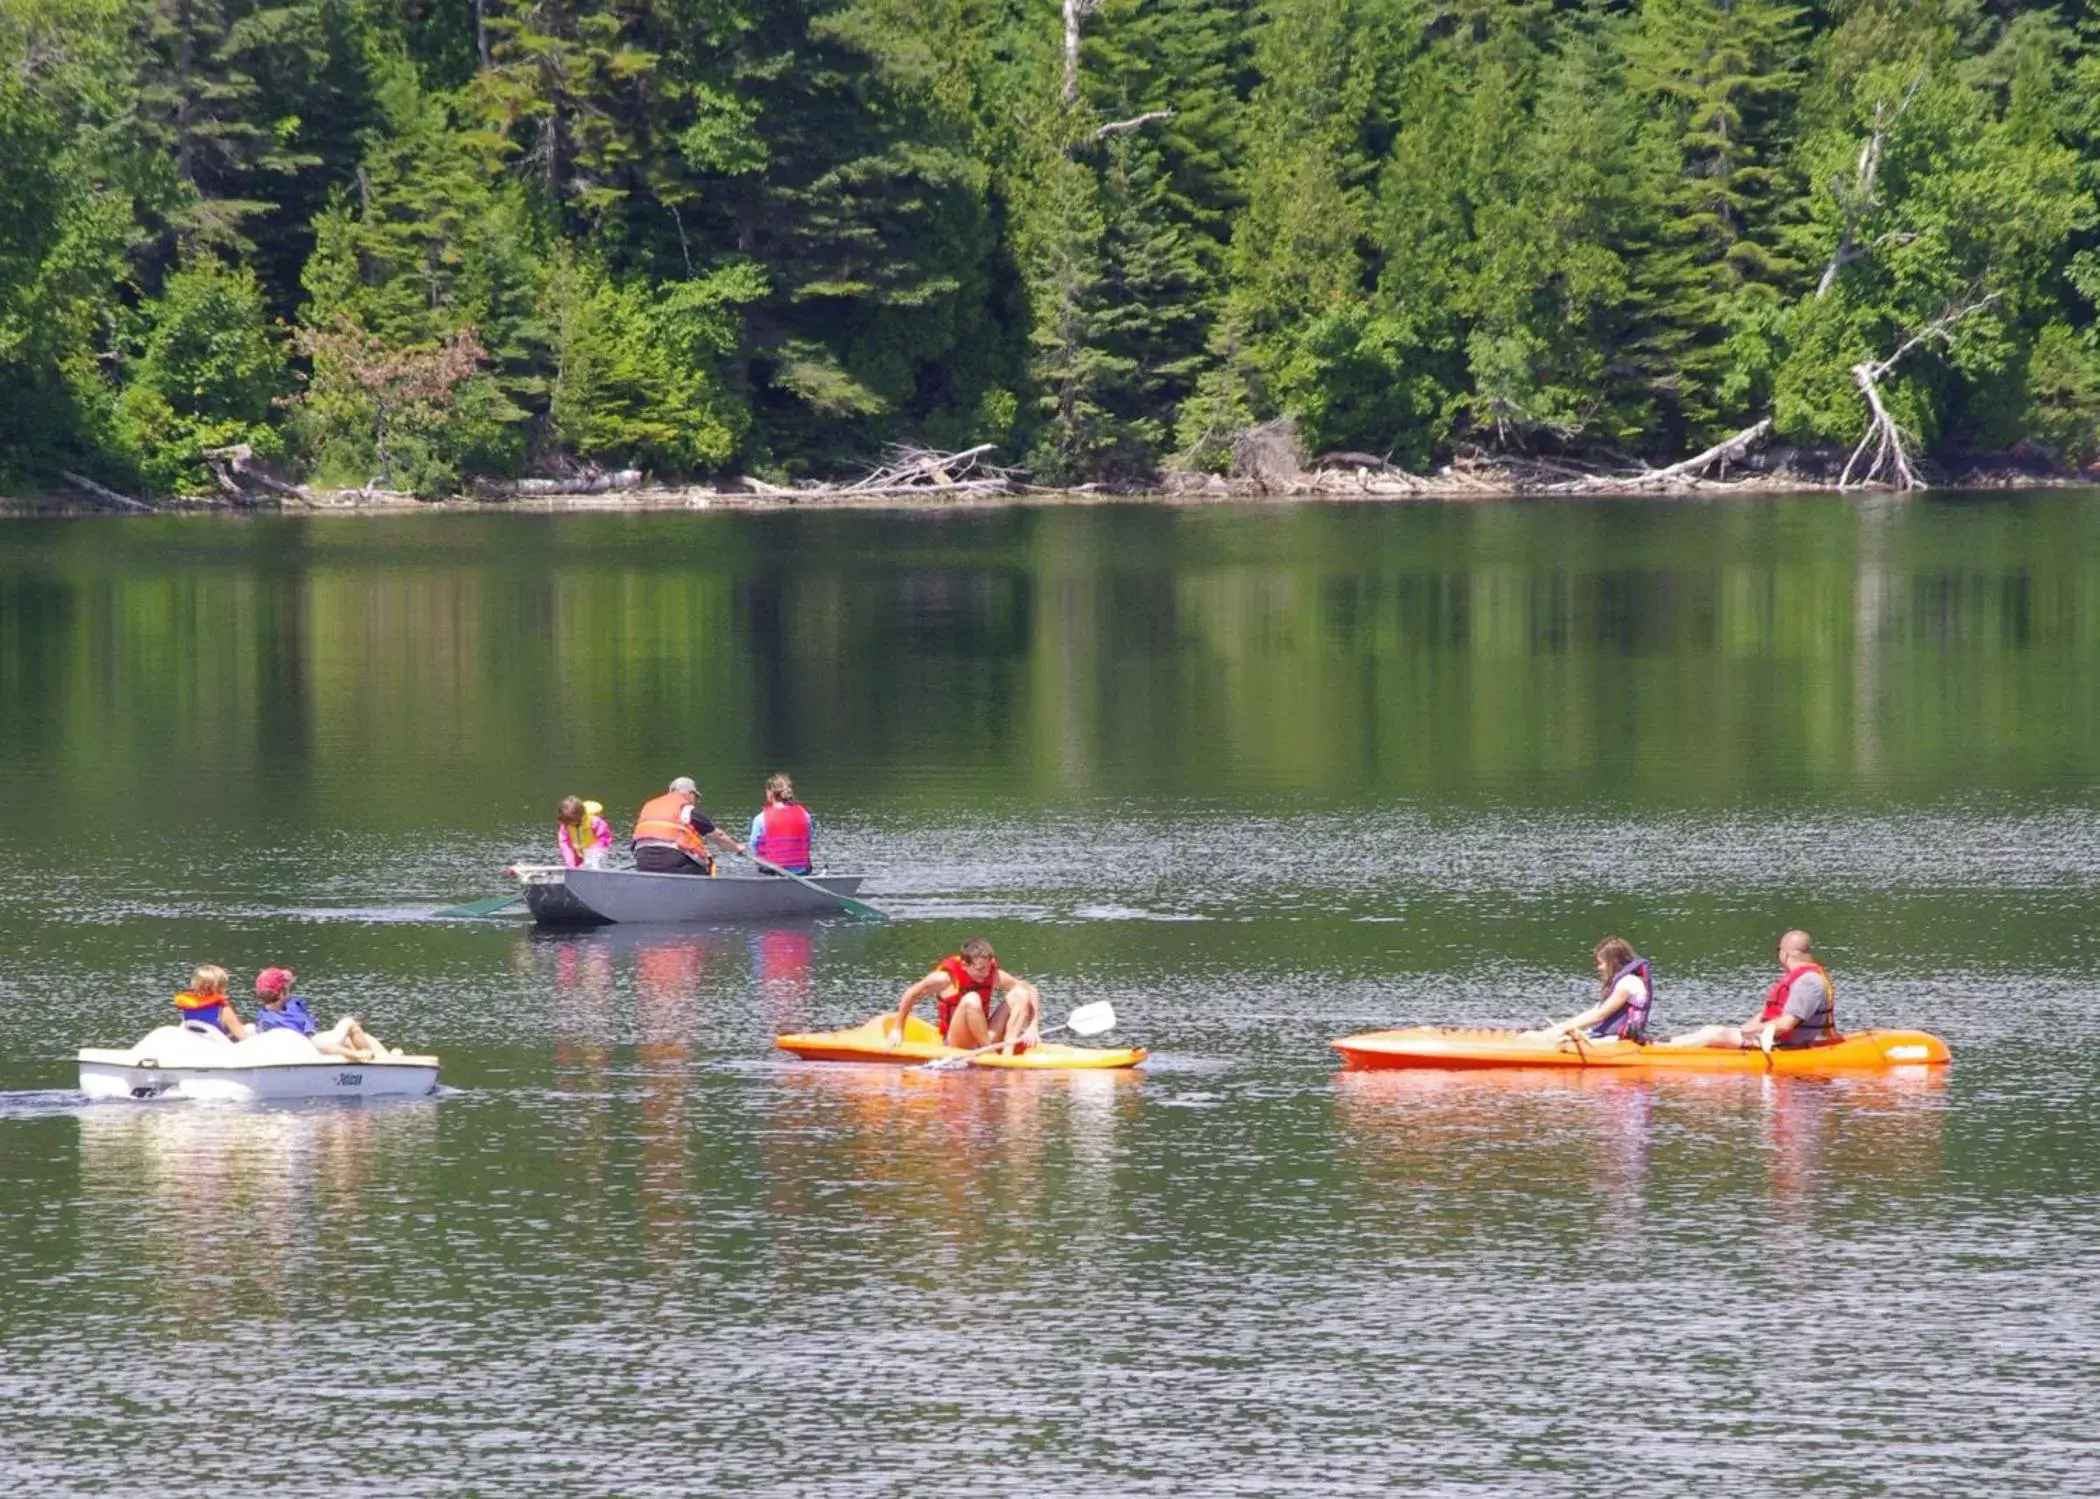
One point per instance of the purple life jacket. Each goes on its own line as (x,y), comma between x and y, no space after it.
(1631,1021)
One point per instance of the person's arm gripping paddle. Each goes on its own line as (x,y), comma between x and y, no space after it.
(1087,1020)
(1623,1007)
(926,988)
(1595,1015)
(700,822)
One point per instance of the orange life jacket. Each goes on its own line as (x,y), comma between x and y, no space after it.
(205,1008)
(959,984)
(659,822)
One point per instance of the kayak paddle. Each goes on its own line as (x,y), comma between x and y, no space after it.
(1087,1020)
(487,907)
(850,906)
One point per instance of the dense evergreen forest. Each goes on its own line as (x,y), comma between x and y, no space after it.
(414,242)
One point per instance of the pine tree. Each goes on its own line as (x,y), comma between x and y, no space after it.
(1297,270)
(227,144)
(1723,74)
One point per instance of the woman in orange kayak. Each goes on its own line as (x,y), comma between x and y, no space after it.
(981,1004)
(1800,1010)
(1629,994)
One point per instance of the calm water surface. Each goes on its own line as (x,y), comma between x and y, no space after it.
(1261,777)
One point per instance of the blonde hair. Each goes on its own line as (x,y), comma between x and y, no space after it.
(209,978)
(780,787)
(570,811)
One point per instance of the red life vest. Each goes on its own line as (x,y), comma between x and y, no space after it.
(659,822)
(1775,998)
(960,983)
(783,836)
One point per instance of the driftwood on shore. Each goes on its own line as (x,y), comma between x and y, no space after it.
(1267,460)
(592,483)
(239,474)
(909,471)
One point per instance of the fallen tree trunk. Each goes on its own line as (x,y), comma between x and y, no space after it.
(106,495)
(1695,467)
(612,483)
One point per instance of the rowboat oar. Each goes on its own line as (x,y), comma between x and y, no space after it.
(1087,1020)
(847,904)
(487,907)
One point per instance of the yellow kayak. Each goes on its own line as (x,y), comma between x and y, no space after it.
(870,1042)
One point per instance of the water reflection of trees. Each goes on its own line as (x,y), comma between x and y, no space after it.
(1064,647)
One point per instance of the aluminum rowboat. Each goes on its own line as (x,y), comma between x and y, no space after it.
(593,897)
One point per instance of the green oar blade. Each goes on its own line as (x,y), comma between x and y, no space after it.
(847,904)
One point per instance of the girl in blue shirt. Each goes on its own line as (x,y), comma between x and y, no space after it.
(281,1010)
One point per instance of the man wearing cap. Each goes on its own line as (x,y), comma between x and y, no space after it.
(671,833)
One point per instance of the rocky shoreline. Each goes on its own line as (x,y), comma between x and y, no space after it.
(1335,478)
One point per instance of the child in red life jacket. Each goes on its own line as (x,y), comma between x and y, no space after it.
(979,1003)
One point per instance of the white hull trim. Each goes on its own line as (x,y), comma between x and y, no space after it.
(260,1084)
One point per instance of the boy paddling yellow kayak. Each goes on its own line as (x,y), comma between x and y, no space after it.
(985,1016)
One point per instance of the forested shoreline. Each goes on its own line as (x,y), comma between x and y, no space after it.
(420,244)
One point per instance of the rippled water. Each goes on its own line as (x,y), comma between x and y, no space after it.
(628,1249)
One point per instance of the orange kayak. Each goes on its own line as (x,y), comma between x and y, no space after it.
(1437,1046)
(870,1042)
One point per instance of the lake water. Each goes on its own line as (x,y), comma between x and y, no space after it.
(1261,776)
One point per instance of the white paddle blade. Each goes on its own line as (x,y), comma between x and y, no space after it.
(1092,1020)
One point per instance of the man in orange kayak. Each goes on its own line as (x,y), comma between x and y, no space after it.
(1800,1009)
(981,1004)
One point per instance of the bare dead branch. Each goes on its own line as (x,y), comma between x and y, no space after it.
(1135,122)
(1885,445)
(1856,200)
(1076,12)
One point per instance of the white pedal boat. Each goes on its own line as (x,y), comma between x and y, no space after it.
(191,1061)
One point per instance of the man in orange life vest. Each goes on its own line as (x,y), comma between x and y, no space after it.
(980,1003)
(1800,1010)
(671,833)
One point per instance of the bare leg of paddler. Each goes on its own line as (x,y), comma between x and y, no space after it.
(969,1028)
(345,1040)
(364,1040)
(1709,1035)
(1023,1018)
